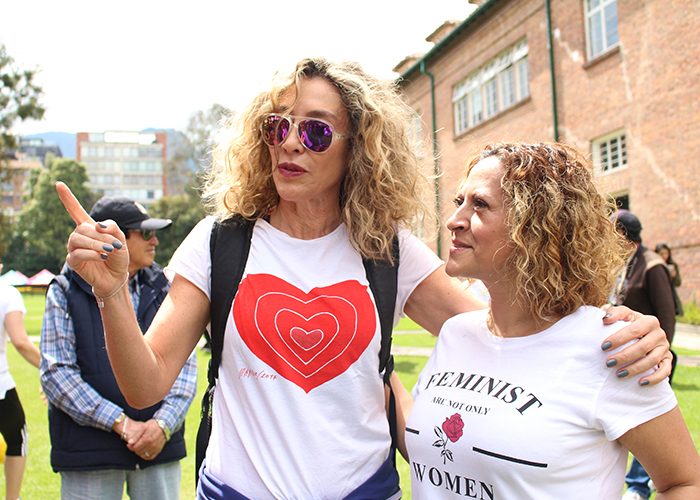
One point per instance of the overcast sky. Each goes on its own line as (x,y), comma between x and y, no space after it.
(134,64)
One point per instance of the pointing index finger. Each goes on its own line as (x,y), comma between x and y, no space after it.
(72,205)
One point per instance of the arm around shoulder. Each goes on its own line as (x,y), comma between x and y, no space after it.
(437,298)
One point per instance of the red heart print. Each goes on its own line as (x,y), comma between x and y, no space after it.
(308,338)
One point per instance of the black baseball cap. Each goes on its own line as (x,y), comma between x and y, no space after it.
(127,213)
(630,225)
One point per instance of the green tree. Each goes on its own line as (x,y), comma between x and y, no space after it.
(44,225)
(185,211)
(201,132)
(6,229)
(19,99)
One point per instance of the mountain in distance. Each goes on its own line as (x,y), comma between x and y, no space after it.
(64,140)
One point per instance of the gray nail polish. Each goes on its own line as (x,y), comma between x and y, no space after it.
(107,248)
(610,363)
(644,382)
(622,373)
(117,244)
(102,225)
(103,256)
(606,345)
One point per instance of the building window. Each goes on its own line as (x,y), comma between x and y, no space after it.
(507,87)
(610,153)
(494,87)
(601,26)
(491,97)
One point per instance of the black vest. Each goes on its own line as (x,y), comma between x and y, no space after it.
(78,447)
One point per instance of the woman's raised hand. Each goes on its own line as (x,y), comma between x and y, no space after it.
(96,250)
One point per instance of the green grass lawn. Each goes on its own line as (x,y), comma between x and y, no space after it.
(41,483)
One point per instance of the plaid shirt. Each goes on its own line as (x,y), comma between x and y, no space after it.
(65,388)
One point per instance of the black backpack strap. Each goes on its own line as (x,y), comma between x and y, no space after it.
(229,246)
(383,281)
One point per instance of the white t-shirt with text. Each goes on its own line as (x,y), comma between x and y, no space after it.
(299,404)
(527,417)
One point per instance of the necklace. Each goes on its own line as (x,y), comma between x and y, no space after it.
(491,325)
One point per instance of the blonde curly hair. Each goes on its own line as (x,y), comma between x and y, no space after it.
(384,187)
(566,250)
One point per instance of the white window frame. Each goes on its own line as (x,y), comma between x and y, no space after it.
(609,153)
(494,87)
(595,12)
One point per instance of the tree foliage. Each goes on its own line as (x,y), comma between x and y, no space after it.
(202,129)
(19,99)
(189,152)
(43,226)
(185,211)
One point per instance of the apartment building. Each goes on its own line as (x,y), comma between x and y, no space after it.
(123,163)
(613,78)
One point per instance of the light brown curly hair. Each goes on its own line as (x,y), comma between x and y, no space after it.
(566,251)
(384,187)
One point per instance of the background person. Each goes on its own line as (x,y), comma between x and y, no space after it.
(665,252)
(98,442)
(646,285)
(323,165)
(530,224)
(12,422)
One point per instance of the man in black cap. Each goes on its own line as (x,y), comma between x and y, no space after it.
(645,286)
(99,442)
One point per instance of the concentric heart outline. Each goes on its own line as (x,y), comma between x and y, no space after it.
(343,311)
(261,331)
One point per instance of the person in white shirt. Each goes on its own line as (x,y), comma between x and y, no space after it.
(323,164)
(12,421)
(493,416)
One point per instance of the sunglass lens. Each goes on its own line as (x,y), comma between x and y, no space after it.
(315,135)
(271,133)
(282,130)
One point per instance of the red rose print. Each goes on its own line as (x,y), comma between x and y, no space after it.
(453,427)
(307,338)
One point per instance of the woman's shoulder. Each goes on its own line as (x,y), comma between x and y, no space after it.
(585,326)
(10,298)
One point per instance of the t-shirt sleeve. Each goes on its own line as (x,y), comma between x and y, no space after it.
(13,301)
(416,262)
(623,404)
(192,259)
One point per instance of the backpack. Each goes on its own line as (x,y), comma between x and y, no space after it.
(229,246)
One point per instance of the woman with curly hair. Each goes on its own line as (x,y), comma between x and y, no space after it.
(323,166)
(509,423)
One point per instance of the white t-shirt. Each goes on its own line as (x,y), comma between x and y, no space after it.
(10,301)
(527,417)
(299,405)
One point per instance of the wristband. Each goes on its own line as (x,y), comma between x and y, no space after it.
(101,300)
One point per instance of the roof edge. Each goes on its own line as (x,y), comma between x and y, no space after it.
(474,17)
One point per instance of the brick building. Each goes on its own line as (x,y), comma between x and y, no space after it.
(618,83)
(15,171)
